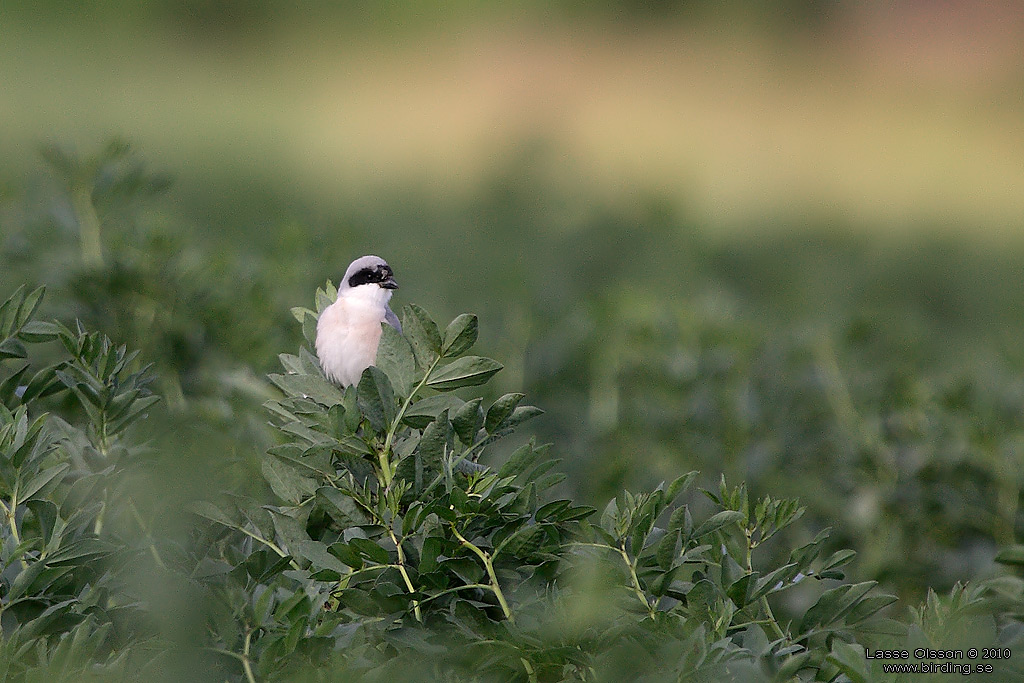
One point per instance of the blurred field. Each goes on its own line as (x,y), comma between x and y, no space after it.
(878,120)
(787,251)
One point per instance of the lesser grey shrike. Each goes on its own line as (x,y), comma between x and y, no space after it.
(349,330)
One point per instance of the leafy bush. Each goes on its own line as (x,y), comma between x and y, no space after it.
(390,543)
(69,522)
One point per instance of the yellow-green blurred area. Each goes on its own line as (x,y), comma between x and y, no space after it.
(780,241)
(884,119)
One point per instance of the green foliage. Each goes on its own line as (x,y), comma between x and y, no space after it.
(387,546)
(62,602)
(390,543)
(399,528)
(907,448)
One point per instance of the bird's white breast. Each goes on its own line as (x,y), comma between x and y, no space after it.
(348,333)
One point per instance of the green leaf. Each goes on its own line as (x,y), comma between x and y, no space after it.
(26,439)
(460,335)
(300,313)
(677,520)
(432,547)
(78,550)
(341,507)
(433,444)
(850,660)
(312,387)
(517,463)
(500,410)
(421,331)
(464,372)
(806,554)
(325,297)
(552,510)
(775,580)
(740,590)
(28,307)
(395,358)
(838,559)
(46,516)
(138,406)
(347,554)
(23,580)
(522,414)
(376,399)
(610,516)
(668,549)
(868,607)
(10,385)
(289,532)
(211,512)
(467,421)
(8,310)
(679,485)
(291,364)
(423,412)
(352,445)
(44,383)
(36,331)
(464,568)
(12,348)
(1012,555)
(716,522)
(42,479)
(287,482)
(351,406)
(316,553)
(309,327)
(523,543)
(791,665)
(834,604)
(371,550)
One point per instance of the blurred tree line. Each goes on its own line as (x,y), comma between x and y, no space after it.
(237,17)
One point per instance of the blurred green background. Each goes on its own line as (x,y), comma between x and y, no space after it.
(783,242)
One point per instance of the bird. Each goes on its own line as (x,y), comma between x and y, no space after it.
(348,331)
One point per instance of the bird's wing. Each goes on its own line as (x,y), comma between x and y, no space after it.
(391,319)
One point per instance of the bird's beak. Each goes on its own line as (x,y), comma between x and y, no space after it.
(389,283)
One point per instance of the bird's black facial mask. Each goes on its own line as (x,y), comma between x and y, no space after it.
(381,275)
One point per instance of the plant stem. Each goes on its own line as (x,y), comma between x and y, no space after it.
(763,600)
(776,629)
(246,665)
(384,456)
(344,580)
(405,575)
(465,454)
(269,544)
(97,527)
(449,591)
(142,525)
(9,513)
(750,549)
(89,226)
(529,669)
(489,566)
(636,581)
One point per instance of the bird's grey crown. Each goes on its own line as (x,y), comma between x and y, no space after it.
(365,270)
